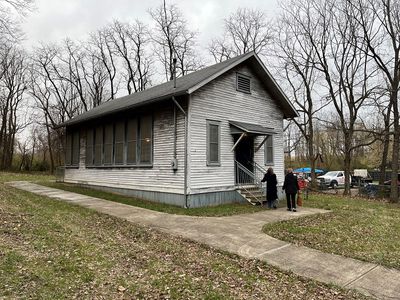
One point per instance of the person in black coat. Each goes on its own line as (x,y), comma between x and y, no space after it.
(272,191)
(291,186)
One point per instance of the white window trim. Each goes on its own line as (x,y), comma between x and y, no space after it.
(213,163)
(271,162)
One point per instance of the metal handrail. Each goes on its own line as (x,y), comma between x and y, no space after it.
(244,177)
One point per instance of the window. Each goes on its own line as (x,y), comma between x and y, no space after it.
(75,148)
(131,140)
(72,149)
(213,153)
(146,140)
(89,147)
(68,149)
(269,150)
(119,143)
(243,83)
(98,146)
(108,144)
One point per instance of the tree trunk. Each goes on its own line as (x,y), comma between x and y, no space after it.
(382,175)
(347,162)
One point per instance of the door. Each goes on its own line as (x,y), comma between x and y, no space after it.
(244,154)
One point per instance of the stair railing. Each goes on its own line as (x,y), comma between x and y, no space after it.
(259,173)
(246,178)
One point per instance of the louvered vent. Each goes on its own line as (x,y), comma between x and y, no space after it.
(243,83)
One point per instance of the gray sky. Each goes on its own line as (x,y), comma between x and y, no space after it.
(53,20)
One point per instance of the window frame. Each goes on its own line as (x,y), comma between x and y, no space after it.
(123,142)
(89,147)
(70,147)
(108,145)
(237,83)
(266,147)
(137,145)
(210,123)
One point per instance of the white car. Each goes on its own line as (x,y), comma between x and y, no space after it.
(332,179)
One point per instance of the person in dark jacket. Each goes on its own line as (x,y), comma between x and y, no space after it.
(291,186)
(272,191)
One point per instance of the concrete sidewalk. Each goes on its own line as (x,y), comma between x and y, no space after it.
(241,234)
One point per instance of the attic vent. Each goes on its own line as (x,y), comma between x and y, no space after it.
(243,83)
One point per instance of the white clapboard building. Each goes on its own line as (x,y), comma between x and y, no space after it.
(204,139)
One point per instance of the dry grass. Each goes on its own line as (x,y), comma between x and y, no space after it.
(358,228)
(55,250)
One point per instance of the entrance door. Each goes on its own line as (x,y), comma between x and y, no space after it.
(244,152)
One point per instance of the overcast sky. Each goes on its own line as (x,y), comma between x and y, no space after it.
(53,20)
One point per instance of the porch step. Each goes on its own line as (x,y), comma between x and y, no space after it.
(253,194)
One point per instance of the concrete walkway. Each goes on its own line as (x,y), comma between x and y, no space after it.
(241,234)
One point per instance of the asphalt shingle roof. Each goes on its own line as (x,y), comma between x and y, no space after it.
(185,85)
(155,93)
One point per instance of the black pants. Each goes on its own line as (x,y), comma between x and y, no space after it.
(291,200)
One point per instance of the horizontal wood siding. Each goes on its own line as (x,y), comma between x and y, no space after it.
(220,101)
(160,177)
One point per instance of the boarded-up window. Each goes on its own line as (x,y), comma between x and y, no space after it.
(98,146)
(108,144)
(119,143)
(146,126)
(89,147)
(213,152)
(68,149)
(269,150)
(75,148)
(131,140)
(243,83)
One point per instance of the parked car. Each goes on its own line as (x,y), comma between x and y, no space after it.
(332,179)
(360,177)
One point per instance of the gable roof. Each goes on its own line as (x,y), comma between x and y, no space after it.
(186,85)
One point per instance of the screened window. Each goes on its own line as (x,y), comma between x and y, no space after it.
(75,148)
(119,143)
(243,83)
(146,140)
(68,149)
(89,147)
(269,150)
(131,141)
(98,146)
(213,141)
(108,144)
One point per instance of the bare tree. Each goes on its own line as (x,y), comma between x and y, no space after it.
(342,59)
(12,88)
(100,49)
(10,13)
(245,30)
(297,56)
(174,40)
(131,42)
(380,23)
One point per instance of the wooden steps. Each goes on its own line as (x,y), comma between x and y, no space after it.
(253,194)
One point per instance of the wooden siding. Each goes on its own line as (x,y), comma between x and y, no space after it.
(220,101)
(159,178)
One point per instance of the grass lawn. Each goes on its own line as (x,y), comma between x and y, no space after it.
(213,211)
(22,176)
(54,250)
(358,228)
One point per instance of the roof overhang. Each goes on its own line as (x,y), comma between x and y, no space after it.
(254,129)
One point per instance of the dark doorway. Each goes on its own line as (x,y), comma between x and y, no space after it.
(244,152)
